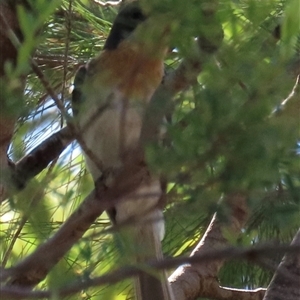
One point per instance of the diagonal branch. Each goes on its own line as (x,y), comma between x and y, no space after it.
(36,266)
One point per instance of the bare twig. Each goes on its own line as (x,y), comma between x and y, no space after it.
(68,25)
(54,61)
(13,241)
(45,82)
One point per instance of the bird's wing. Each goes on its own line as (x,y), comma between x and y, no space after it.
(77,95)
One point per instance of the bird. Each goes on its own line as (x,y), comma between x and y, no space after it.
(110,96)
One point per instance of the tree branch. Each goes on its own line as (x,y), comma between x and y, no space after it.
(285,283)
(36,266)
(192,281)
(251,254)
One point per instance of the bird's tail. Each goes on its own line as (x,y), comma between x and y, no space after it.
(150,284)
(143,239)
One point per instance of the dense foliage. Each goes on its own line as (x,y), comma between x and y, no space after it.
(223,135)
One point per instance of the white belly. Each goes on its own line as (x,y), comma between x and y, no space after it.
(115,130)
(109,134)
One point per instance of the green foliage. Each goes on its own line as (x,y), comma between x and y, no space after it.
(223,136)
(290,28)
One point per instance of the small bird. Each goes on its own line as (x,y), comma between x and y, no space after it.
(110,95)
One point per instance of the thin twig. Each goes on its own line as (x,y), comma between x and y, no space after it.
(13,241)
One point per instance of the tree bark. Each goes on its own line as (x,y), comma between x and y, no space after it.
(195,280)
(285,284)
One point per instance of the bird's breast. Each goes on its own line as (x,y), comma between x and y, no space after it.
(134,73)
(122,81)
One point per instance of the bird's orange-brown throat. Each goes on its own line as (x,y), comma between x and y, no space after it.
(130,70)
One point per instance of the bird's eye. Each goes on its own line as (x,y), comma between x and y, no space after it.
(137,15)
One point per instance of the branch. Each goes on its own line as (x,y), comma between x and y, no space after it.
(190,282)
(285,283)
(223,293)
(55,61)
(198,279)
(290,107)
(251,254)
(36,266)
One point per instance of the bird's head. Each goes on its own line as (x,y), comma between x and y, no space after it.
(127,20)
